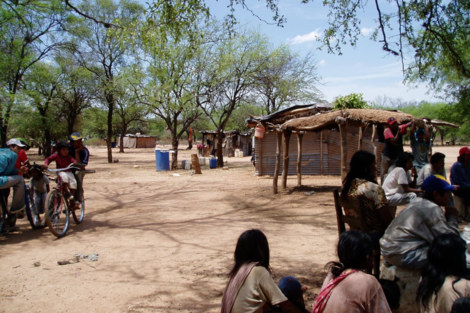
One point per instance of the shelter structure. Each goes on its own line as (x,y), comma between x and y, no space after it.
(326,141)
(138,141)
(233,139)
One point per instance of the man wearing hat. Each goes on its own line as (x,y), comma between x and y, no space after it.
(81,154)
(393,144)
(407,239)
(460,175)
(420,142)
(9,175)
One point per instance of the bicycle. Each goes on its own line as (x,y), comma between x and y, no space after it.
(58,210)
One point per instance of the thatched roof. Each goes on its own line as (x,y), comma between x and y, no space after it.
(443,123)
(354,116)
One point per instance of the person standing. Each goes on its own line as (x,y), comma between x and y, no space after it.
(460,176)
(420,142)
(393,145)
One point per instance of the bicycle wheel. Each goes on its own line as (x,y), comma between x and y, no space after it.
(32,212)
(79,214)
(57,213)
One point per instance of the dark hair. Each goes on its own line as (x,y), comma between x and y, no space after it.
(429,195)
(446,257)
(461,305)
(403,158)
(436,157)
(392,293)
(359,167)
(252,246)
(460,158)
(354,247)
(35,167)
(60,145)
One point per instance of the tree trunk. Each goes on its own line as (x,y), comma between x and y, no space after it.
(3,133)
(220,154)
(47,147)
(121,140)
(174,156)
(110,100)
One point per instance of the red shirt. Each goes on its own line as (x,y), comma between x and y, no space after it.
(22,157)
(61,162)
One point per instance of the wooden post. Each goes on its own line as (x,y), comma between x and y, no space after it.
(372,140)
(285,166)
(259,152)
(362,129)
(195,164)
(321,152)
(299,158)
(278,162)
(343,128)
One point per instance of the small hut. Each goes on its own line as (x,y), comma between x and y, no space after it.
(233,139)
(137,141)
(325,142)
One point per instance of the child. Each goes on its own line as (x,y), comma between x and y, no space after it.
(63,160)
(40,185)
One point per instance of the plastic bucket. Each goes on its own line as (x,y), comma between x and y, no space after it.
(259,132)
(162,160)
(113,145)
(213,163)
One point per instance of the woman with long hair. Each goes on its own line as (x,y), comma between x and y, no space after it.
(360,182)
(347,288)
(251,287)
(445,277)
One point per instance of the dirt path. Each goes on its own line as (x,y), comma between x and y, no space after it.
(165,242)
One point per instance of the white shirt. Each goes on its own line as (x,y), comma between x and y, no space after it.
(394,180)
(427,171)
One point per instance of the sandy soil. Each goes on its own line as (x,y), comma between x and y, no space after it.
(165,242)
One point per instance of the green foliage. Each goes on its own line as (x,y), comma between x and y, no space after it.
(351,101)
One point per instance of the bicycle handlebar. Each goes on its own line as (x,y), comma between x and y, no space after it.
(70,167)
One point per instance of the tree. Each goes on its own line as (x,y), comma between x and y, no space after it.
(229,75)
(351,101)
(28,34)
(100,49)
(286,79)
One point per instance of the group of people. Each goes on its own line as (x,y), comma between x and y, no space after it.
(15,165)
(424,236)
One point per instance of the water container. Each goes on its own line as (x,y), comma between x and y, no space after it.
(202,161)
(259,132)
(162,159)
(213,163)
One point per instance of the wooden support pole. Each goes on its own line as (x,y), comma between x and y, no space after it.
(343,128)
(374,147)
(299,158)
(285,166)
(259,153)
(278,162)
(362,130)
(321,152)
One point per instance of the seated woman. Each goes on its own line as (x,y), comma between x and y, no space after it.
(361,182)
(347,288)
(445,278)
(398,185)
(251,287)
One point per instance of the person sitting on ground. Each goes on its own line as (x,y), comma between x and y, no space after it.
(63,159)
(81,154)
(251,287)
(9,176)
(460,175)
(360,182)
(398,185)
(39,183)
(437,166)
(461,305)
(294,292)
(420,143)
(393,136)
(445,277)
(346,287)
(406,240)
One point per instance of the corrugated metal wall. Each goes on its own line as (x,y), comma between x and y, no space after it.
(311,159)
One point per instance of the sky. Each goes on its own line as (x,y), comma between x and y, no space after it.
(365,69)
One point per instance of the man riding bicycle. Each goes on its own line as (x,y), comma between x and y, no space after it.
(9,175)
(81,154)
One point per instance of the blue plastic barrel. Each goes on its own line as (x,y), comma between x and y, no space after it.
(213,163)
(162,160)
(113,145)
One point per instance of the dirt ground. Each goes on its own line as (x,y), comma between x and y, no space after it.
(166,242)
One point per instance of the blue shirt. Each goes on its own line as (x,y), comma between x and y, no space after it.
(460,175)
(7,165)
(84,154)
